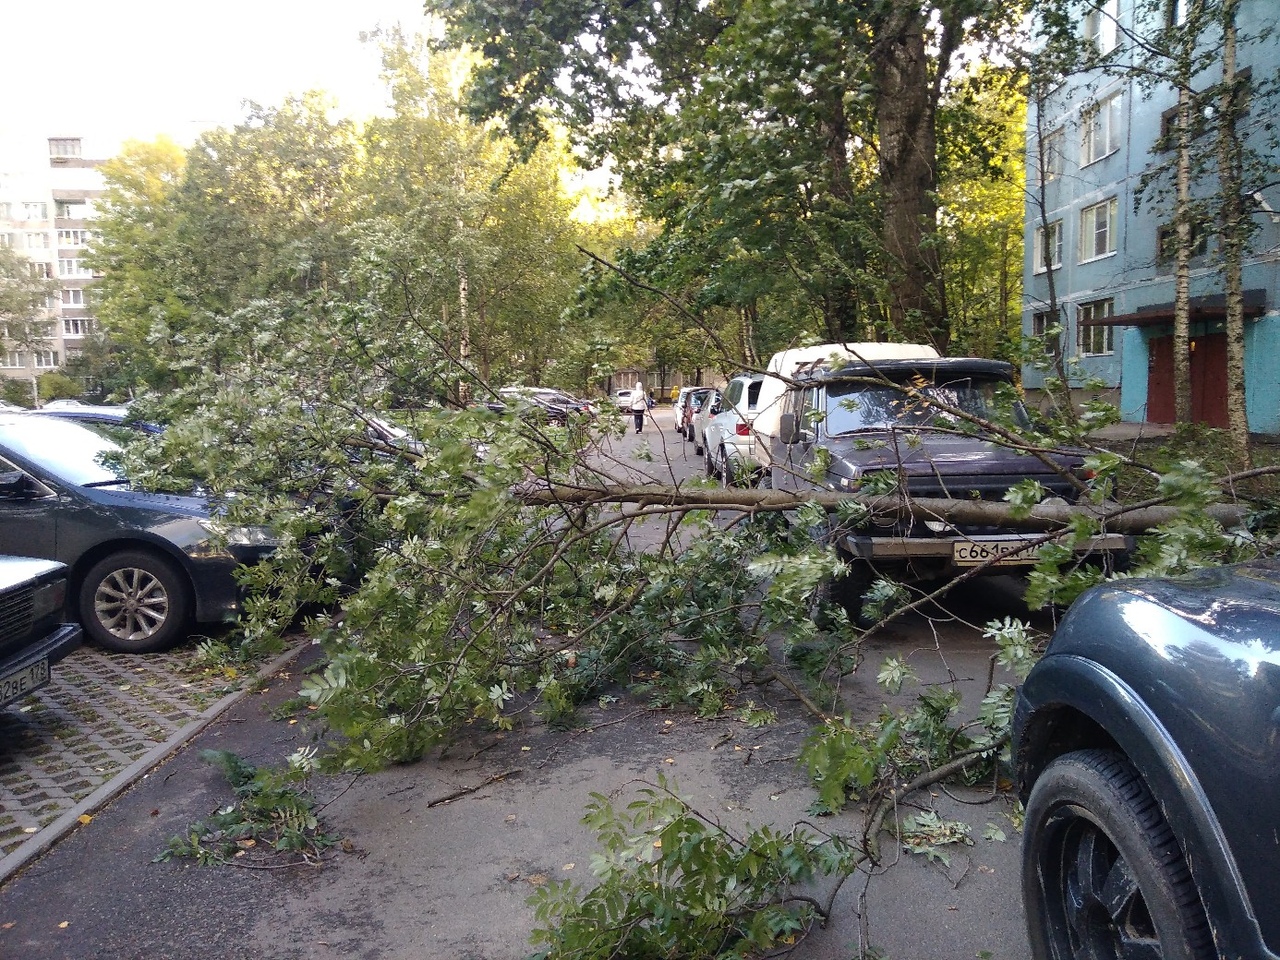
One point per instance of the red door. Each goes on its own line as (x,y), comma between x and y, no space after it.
(1208,380)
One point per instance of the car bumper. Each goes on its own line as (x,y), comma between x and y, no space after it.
(961,552)
(219,598)
(28,671)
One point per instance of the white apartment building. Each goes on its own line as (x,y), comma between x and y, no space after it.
(46,214)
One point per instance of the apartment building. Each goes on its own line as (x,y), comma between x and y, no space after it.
(1099,261)
(46,214)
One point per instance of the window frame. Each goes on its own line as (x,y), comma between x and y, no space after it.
(1100,125)
(1056,235)
(1091,232)
(1089,310)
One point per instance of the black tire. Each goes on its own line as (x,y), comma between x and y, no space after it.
(699,445)
(709,464)
(135,602)
(1102,873)
(846,592)
(727,473)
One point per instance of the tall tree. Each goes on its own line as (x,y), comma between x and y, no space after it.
(815,91)
(24,303)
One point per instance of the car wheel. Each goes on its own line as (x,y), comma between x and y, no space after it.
(134,602)
(1102,872)
(699,444)
(727,475)
(710,463)
(846,592)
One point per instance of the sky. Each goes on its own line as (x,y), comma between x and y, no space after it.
(112,70)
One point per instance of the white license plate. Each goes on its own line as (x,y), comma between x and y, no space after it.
(23,681)
(1004,553)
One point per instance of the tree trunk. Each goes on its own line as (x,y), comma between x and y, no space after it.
(1182,270)
(1234,227)
(906,115)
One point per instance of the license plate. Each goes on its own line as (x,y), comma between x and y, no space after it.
(24,680)
(1001,553)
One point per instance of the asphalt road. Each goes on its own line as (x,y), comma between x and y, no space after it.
(418,877)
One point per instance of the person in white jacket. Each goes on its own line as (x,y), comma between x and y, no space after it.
(639,405)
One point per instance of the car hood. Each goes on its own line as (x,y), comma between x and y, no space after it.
(929,453)
(183,506)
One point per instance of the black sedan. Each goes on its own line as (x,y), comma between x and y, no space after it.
(1146,746)
(143,566)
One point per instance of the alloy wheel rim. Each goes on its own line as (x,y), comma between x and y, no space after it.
(131,604)
(1096,902)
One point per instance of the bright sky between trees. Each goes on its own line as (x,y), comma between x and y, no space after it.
(111,70)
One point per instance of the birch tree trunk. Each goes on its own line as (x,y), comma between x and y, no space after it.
(1234,229)
(1182,270)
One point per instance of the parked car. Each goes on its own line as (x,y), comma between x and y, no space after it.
(692,404)
(65,405)
(838,426)
(622,399)
(143,566)
(1144,749)
(555,406)
(786,364)
(729,438)
(677,408)
(709,407)
(33,596)
(104,418)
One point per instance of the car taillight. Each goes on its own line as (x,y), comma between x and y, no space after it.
(742,429)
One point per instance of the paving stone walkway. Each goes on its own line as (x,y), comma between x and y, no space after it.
(104,720)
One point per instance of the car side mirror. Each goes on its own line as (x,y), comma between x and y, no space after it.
(788,429)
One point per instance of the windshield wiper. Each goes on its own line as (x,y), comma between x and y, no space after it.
(106,483)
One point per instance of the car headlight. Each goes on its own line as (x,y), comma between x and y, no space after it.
(243,535)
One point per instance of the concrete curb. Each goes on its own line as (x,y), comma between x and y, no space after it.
(99,798)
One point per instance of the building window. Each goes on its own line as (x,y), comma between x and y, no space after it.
(64,146)
(77,326)
(6,211)
(1052,150)
(1101,129)
(1167,242)
(1095,341)
(1100,26)
(72,209)
(6,240)
(35,211)
(45,359)
(41,270)
(14,360)
(1098,230)
(74,238)
(36,241)
(1045,328)
(73,297)
(1048,242)
(73,267)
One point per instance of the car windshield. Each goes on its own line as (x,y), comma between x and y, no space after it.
(70,452)
(853,407)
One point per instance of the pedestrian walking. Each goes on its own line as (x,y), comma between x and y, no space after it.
(639,405)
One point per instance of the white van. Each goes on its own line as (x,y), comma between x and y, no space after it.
(788,363)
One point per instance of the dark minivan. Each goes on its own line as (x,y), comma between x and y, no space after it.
(900,419)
